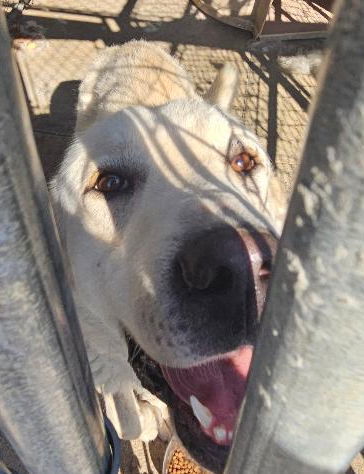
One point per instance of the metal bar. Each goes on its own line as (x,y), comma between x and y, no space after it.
(48,407)
(304,410)
(259,14)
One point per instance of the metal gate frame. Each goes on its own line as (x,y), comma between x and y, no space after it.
(304,410)
(48,406)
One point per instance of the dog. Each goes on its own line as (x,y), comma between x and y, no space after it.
(169,211)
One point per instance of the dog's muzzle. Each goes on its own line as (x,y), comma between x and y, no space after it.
(219,280)
(222,275)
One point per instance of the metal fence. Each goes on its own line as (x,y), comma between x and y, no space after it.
(48,407)
(304,410)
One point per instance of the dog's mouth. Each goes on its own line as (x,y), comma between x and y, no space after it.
(205,400)
(214,392)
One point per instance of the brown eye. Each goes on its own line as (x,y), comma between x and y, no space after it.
(109,183)
(243,163)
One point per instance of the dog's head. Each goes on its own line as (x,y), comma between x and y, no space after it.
(171,216)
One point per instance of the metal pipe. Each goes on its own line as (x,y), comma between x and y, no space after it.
(48,408)
(304,410)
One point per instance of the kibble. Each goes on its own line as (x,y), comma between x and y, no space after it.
(181,465)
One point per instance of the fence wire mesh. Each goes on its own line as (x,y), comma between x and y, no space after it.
(55,49)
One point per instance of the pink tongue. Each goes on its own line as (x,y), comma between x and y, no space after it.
(219,385)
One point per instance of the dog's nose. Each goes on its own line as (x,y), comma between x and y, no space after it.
(229,267)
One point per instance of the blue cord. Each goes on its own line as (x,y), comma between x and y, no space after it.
(115,444)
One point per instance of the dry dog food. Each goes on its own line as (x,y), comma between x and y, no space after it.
(179,464)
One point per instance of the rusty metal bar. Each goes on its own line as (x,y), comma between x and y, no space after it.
(304,410)
(48,408)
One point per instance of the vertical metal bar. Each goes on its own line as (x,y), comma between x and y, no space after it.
(48,407)
(304,410)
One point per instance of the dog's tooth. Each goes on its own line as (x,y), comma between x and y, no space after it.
(201,412)
(219,433)
(230,435)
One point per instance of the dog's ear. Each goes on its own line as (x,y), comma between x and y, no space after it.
(224,88)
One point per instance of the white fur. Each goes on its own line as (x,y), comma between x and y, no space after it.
(138,113)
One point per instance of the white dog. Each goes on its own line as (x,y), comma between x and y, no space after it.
(169,210)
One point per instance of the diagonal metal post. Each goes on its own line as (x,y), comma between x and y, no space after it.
(48,407)
(304,410)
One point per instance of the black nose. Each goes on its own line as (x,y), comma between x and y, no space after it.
(227,271)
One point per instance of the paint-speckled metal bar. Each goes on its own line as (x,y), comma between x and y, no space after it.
(304,410)
(48,408)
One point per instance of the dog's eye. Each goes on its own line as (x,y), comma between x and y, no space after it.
(110,183)
(243,163)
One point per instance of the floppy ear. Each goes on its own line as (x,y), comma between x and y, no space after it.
(224,88)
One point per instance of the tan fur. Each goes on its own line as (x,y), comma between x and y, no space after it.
(138,113)
(109,86)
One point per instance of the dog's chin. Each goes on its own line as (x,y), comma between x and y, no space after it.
(203,391)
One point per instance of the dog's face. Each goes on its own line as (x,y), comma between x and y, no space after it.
(171,216)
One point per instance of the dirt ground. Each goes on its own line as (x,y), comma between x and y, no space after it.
(59,38)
